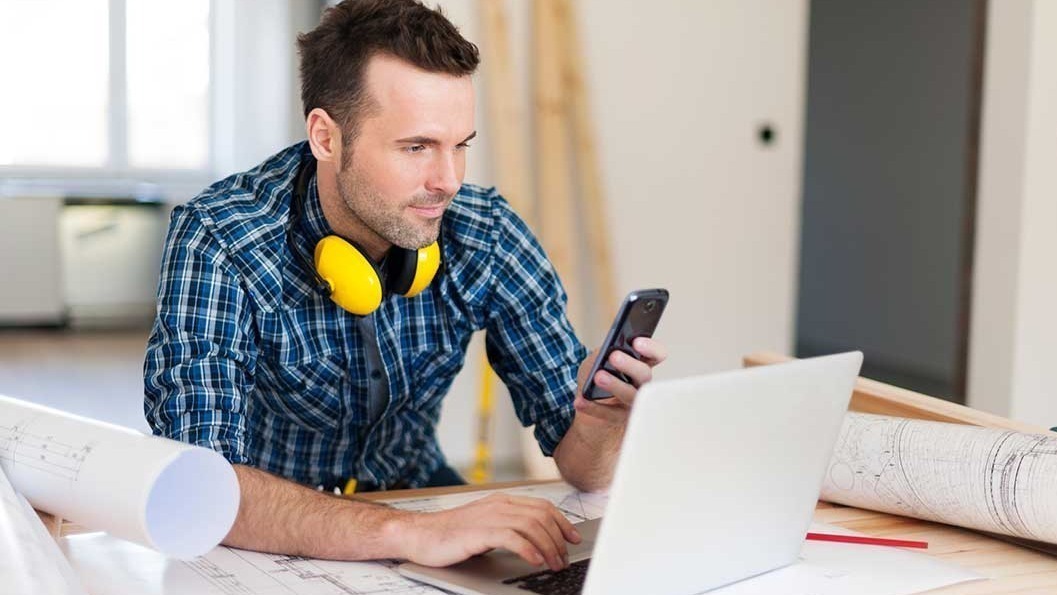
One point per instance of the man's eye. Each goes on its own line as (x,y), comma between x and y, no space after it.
(415,148)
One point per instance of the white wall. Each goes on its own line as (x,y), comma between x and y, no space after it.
(696,204)
(1014,322)
(256,89)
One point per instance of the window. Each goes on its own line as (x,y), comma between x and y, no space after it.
(110,87)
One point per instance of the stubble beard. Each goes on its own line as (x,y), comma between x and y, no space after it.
(389,223)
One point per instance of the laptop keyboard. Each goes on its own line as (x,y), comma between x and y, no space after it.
(568,581)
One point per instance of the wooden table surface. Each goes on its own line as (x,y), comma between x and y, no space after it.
(1012,568)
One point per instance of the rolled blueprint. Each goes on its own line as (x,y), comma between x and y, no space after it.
(176,498)
(980,478)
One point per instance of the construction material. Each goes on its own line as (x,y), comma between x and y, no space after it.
(588,171)
(871,396)
(564,203)
(557,215)
(506,118)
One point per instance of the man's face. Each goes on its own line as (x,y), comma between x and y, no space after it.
(409,157)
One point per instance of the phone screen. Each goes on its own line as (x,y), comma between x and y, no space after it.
(638,317)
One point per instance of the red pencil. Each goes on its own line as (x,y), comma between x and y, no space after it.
(867,540)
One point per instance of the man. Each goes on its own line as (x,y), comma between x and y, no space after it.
(250,357)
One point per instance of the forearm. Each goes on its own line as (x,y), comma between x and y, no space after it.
(587,455)
(280,516)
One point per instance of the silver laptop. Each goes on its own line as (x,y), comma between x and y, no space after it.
(717,482)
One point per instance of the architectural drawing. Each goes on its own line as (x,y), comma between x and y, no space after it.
(111,567)
(230,571)
(19,445)
(575,505)
(987,479)
(117,479)
(235,572)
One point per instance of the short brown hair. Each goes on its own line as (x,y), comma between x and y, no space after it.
(334,55)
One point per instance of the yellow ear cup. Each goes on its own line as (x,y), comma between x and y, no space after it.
(428,263)
(353,280)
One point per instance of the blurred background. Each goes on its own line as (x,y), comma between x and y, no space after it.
(803,176)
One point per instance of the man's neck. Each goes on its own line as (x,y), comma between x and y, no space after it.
(342,221)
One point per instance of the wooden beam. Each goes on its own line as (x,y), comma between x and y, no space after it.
(506,120)
(871,396)
(553,159)
(588,172)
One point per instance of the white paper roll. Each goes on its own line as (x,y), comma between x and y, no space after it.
(176,498)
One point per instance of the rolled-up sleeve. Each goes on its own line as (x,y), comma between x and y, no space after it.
(201,352)
(530,341)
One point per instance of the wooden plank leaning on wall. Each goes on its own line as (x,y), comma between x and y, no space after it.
(871,396)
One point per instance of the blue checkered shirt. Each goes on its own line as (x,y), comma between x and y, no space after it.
(246,357)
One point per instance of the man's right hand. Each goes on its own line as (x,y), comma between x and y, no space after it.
(279,516)
(532,528)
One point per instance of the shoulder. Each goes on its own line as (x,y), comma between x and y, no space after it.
(485,243)
(478,216)
(468,237)
(250,207)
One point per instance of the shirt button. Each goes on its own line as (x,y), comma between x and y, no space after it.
(376,374)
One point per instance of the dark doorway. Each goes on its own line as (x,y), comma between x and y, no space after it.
(889,191)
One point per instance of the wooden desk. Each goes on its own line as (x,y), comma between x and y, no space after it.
(1014,569)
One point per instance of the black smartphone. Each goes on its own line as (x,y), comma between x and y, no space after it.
(638,317)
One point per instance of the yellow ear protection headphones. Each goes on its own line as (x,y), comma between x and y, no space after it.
(344,273)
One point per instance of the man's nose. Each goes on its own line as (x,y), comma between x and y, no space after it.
(444,176)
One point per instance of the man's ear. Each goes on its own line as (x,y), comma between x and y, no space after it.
(324,136)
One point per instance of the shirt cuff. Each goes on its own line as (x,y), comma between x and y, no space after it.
(550,429)
(230,448)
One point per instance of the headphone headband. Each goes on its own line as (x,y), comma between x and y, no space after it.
(305,171)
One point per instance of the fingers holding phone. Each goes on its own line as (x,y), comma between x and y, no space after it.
(650,350)
(628,354)
(630,368)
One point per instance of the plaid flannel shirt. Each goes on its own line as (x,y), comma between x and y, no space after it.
(247,358)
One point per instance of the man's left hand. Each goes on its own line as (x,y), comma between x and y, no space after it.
(615,410)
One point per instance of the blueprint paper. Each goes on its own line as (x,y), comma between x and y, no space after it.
(174,497)
(30,561)
(575,505)
(992,480)
(110,566)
